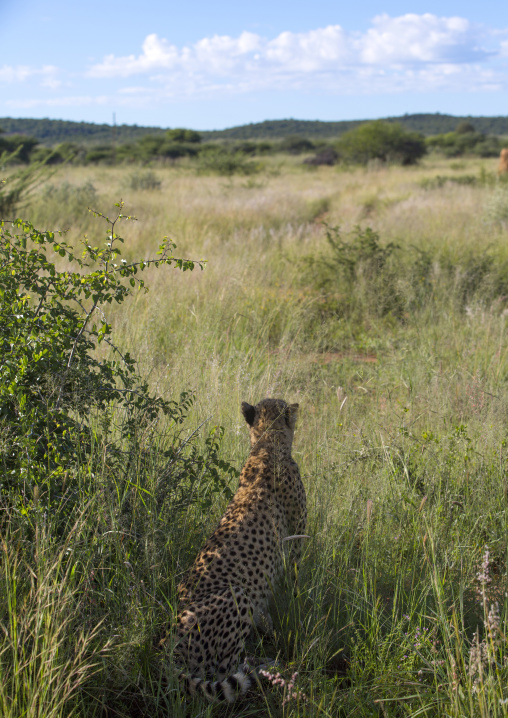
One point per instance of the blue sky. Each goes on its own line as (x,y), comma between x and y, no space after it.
(211,65)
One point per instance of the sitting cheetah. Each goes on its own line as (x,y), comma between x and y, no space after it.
(227,588)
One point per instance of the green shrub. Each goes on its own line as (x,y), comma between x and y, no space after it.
(385,141)
(496,206)
(296,145)
(250,147)
(183,135)
(16,148)
(464,127)
(220,161)
(104,154)
(153,147)
(361,280)
(326,156)
(59,398)
(150,144)
(358,274)
(70,150)
(20,185)
(175,150)
(47,155)
(440,180)
(144,181)
(457,144)
(488,147)
(66,200)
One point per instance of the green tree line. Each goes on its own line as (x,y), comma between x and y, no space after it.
(388,142)
(52,132)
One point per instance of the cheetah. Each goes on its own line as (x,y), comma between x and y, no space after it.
(227,589)
(503,162)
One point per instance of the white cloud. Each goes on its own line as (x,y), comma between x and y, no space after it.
(406,40)
(317,50)
(72,101)
(21,73)
(421,39)
(218,54)
(409,53)
(157,54)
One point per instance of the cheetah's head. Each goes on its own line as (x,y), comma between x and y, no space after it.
(271,417)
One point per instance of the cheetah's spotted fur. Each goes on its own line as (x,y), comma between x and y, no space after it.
(227,588)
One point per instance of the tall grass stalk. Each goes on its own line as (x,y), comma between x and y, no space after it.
(46,656)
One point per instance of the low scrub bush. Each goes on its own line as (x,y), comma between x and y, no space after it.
(250,147)
(72,196)
(358,274)
(104,154)
(326,156)
(144,181)
(361,279)
(457,144)
(440,180)
(221,161)
(496,206)
(296,145)
(17,149)
(67,201)
(183,135)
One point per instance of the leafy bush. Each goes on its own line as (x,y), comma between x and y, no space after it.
(104,154)
(22,182)
(296,145)
(58,397)
(464,127)
(67,201)
(153,147)
(457,144)
(70,195)
(183,135)
(250,147)
(327,156)
(440,180)
(64,152)
(360,279)
(144,181)
(220,161)
(358,274)
(385,141)
(16,148)
(70,150)
(489,146)
(175,150)
(496,206)
(150,145)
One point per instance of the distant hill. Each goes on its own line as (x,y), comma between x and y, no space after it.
(428,124)
(52,132)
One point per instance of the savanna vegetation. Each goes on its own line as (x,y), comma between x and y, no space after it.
(52,132)
(375,296)
(386,141)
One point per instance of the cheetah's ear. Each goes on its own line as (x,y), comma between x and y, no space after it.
(249,412)
(292,415)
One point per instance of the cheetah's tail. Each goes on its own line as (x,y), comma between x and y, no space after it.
(226,690)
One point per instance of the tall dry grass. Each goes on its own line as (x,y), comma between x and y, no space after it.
(401,441)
